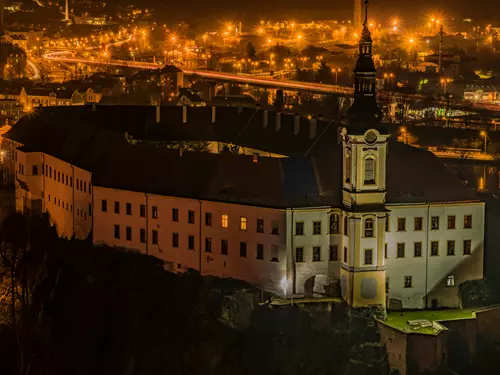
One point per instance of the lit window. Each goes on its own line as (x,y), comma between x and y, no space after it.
(243,223)
(369,228)
(450,280)
(224,221)
(369,171)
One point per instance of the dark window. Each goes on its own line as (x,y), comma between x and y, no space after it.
(346,229)
(175,239)
(275,250)
(128,208)
(243,249)
(400,250)
(117,231)
(435,222)
(49,197)
(317,254)
(387,223)
(408,281)
(142,210)
(345,254)
(50,171)
(386,254)
(450,248)
(334,224)
(104,205)
(208,219)
(142,235)
(401,224)
(58,176)
(190,242)
(155,237)
(334,253)
(117,207)
(316,227)
(90,209)
(191,217)
(368,256)
(67,180)
(260,251)
(175,214)
(208,245)
(467,247)
(154,212)
(275,227)
(260,225)
(417,249)
(34,170)
(299,228)
(467,221)
(418,224)
(71,181)
(451,222)
(434,248)
(299,254)
(369,228)
(223,247)
(84,186)
(128,233)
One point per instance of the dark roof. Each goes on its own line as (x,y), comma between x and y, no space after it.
(311,176)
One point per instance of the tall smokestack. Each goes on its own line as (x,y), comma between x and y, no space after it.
(357,16)
(66,13)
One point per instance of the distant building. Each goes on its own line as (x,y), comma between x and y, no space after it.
(481,94)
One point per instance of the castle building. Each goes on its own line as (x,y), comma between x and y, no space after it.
(299,207)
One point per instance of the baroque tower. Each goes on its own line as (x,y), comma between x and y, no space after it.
(364,150)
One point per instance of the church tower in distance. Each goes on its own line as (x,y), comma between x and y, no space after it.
(364,150)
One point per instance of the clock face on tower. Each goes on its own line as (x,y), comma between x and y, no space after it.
(370,138)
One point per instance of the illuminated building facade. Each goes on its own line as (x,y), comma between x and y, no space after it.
(299,207)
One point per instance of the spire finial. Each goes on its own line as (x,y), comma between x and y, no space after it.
(366,13)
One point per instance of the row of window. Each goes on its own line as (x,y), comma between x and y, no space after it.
(434,223)
(408,281)
(61,177)
(224,244)
(68,207)
(317,256)
(224,220)
(369,225)
(434,248)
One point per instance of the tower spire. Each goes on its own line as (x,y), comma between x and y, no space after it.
(365,106)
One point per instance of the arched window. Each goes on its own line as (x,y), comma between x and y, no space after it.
(369,228)
(334,224)
(370,171)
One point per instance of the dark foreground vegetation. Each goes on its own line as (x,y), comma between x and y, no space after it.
(70,308)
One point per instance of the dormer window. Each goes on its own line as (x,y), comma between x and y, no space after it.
(369,171)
